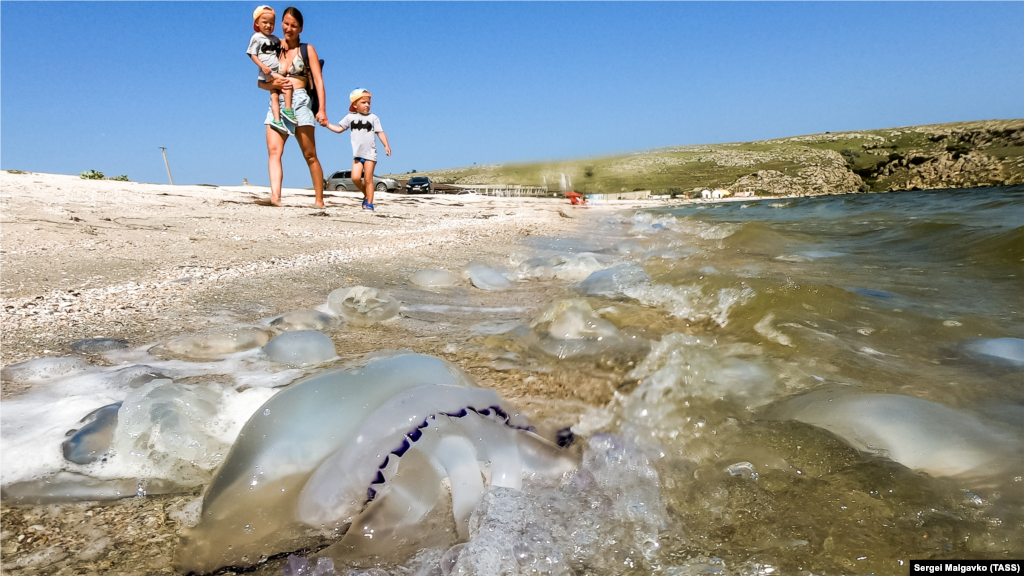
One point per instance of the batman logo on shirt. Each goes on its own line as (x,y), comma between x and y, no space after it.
(270,48)
(362,125)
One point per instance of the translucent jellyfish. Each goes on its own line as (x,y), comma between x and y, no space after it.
(487,278)
(134,376)
(1008,352)
(163,437)
(565,528)
(816,254)
(683,366)
(300,348)
(43,369)
(363,306)
(213,344)
(571,328)
(578,267)
(378,447)
(629,247)
(643,229)
(99,345)
(536,268)
(92,441)
(434,279)
(613,282)
(305,319)
(666,254)
(917,433)
(163,428)
(872,293)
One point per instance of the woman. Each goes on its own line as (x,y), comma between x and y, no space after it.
(297,73)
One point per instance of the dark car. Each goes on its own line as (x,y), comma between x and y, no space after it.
(419,184)
(343,181)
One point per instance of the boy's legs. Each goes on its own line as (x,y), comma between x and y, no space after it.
(275,104)
(357,177)
(287,91)
(368,178)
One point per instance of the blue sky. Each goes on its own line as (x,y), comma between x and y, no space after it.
(103,85)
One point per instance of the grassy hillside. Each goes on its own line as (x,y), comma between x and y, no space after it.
(934,156)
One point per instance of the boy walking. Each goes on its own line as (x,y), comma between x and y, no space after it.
(365,130)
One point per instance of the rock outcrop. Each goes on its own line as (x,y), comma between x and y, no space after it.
(829,175)
(957,155)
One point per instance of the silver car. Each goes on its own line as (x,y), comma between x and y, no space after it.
(343,181)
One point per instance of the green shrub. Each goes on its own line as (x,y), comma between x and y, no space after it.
(15,172)
(97,175)
(850,156)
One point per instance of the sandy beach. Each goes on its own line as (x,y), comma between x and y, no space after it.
(142,262)
(146,262)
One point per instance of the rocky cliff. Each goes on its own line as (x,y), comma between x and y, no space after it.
(960,155)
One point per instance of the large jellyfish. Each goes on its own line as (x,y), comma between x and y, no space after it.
(371,448)
(919,434)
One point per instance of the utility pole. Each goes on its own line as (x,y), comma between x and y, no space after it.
(169,177)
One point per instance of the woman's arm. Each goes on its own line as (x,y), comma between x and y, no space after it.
(318,79)
(275,83)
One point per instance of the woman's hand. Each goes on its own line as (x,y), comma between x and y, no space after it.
(321,117)
(276,83)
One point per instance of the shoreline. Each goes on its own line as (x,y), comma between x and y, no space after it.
(105,258)
(84,258)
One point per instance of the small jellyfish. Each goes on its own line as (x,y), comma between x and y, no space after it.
(572,328)
(43,369)
(300,348)
(1008,352)
(629,247)
(434,279)
(486,278)
(613,282)
(99,345)
(305,319)
(134,376)
(213,344)
(363,306)
(742,469)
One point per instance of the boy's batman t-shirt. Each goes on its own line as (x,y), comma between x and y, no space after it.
(364,129)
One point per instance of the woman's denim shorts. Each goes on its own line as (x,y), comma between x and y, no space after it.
(300,105)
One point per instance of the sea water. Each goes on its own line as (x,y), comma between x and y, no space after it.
(813,385)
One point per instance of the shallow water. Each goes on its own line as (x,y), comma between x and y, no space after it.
(827,385)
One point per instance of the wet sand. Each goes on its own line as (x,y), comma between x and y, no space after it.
(146,262)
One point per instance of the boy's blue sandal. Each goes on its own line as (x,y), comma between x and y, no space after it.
(367,206)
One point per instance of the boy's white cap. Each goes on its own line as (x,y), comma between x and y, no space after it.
(356,95)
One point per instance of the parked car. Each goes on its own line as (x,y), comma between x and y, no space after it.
(343,181)
(421,184)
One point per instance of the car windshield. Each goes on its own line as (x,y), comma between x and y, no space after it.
(418,180)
